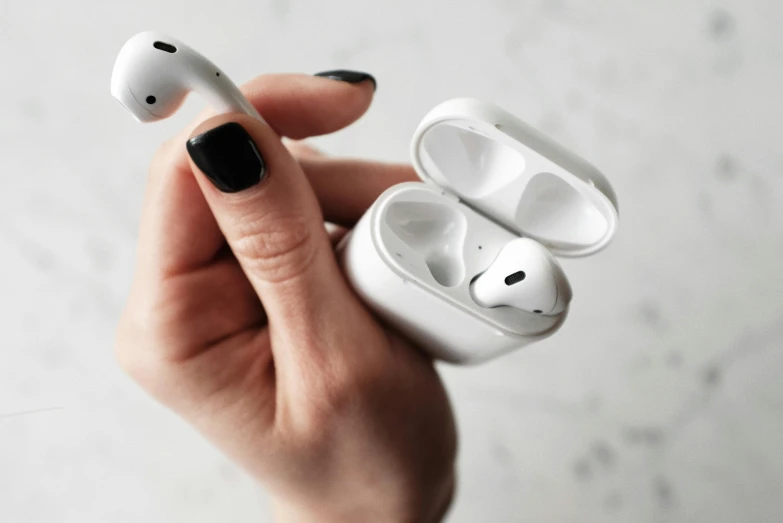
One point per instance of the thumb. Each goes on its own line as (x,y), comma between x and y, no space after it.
(270,217)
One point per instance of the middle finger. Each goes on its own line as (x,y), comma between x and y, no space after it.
(346,188)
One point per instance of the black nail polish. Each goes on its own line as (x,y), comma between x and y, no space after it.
(352,77)
(228,156)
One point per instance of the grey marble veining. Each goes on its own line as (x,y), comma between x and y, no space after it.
(661,400)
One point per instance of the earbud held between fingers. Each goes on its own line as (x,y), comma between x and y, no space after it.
(154,73)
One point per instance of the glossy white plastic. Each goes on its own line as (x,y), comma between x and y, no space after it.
(154,73)
(525,276)
(491,179)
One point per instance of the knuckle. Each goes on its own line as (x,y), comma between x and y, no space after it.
(169,160)
(125,338)
(277,249)
(128,338)
(163,156)
(335,400)
(156,376)
(123,354)
(137,348)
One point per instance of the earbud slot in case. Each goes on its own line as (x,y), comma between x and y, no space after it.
(490,178)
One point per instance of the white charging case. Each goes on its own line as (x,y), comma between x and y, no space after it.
(489,178)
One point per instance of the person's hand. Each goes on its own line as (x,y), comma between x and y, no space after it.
(341,419)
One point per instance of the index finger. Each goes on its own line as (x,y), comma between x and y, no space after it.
(178,232)
(346,188)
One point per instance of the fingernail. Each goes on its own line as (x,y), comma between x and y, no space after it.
(352,77)
(228,156)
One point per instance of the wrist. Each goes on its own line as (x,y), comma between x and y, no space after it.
(305,514)
(357,511)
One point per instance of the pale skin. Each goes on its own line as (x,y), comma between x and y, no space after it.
(337,416)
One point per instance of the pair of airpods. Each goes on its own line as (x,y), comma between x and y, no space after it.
(154,73)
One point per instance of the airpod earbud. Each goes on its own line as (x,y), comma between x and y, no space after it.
(154,73)
(526,276)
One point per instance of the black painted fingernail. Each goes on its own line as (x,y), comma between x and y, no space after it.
(352,77)
(228,156)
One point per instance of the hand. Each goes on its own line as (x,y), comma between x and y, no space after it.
(340,418)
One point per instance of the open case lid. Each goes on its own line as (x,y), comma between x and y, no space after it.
(510,172)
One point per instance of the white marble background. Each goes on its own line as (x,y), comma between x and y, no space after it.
(661,400)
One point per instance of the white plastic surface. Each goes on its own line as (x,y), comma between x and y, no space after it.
(524,276)
(504,168)
(142,70)
(436,231)
(444,324)
(492,179)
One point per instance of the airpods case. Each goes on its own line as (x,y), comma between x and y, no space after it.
(489,178)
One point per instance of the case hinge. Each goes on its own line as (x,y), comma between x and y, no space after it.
(450,196)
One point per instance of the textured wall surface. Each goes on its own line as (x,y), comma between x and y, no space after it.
(661,400)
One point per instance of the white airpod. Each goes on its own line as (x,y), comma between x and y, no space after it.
(526,276)
(154,73)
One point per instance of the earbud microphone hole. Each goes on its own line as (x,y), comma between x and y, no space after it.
(163,46)
(151,99)
(515,278)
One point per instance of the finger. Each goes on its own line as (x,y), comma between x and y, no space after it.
(335,232)
(298,106)
(270,217)
(347,188)
(178,232)
(300,149)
